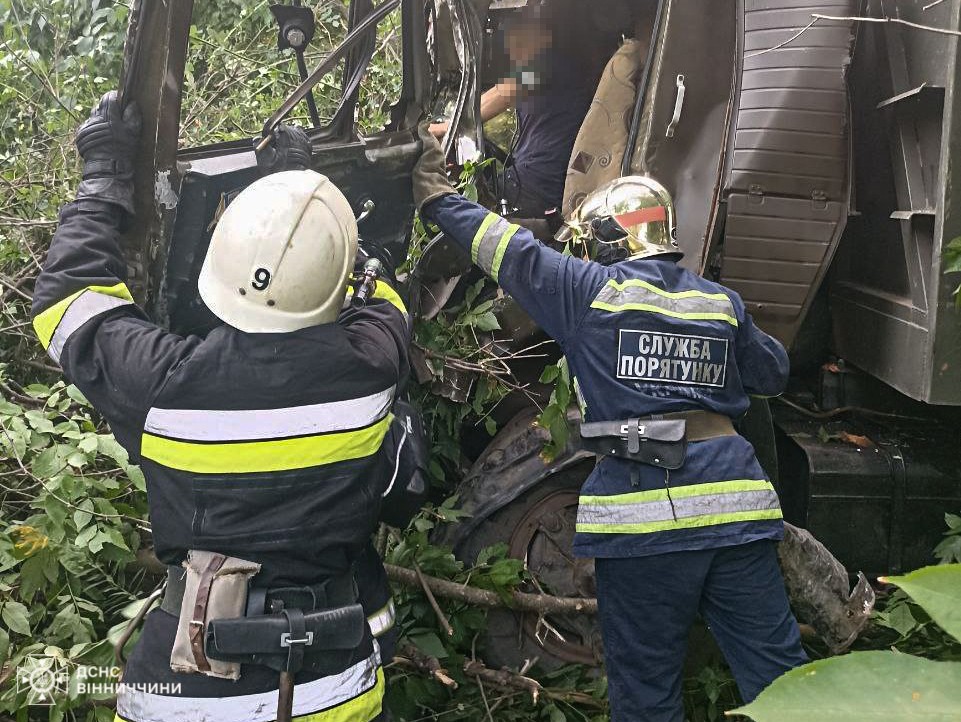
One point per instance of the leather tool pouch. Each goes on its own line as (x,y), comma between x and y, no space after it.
(658,442)
(325,641)
(215,588)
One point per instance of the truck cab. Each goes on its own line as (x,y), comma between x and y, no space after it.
(809,157)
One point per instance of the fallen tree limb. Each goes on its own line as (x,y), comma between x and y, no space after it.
(503,678)
(441,618)
(521,601)
(409,656)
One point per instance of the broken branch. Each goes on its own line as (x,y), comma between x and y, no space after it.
(412,658)
(441,619)
(521,601)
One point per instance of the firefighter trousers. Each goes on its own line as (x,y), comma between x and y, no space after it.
(648,604)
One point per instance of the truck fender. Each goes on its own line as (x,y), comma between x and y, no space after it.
(509,466)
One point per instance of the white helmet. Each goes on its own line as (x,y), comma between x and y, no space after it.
(279,258)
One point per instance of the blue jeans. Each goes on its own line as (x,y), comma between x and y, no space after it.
(647,607)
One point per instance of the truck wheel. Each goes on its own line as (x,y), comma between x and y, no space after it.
(539,528)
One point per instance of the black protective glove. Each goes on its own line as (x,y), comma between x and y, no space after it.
(107,141)
(430,173)
(289,149)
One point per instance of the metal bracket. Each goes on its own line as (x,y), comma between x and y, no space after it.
(678,107)
(365,210)
(286,641)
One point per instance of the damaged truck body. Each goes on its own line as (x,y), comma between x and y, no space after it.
(810,158)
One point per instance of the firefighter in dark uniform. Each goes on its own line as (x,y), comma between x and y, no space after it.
(262,443)
(650,345)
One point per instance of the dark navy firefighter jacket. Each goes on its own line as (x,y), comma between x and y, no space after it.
(643,337)
(272,447)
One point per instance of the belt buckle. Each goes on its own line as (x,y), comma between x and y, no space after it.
(640,429)
(286,641)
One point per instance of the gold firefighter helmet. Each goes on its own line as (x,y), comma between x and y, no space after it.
(630,217)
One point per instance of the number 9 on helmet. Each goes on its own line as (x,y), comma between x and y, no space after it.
(280,255)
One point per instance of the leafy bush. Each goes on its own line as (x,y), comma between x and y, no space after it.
(886,686)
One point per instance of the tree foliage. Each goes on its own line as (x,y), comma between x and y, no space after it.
(889,686)
(73,514)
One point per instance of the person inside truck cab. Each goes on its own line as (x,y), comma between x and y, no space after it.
(678,513)
(264,444)
(556,52)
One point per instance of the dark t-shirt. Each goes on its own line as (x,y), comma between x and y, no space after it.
(549,114)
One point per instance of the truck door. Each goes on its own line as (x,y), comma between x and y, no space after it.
(786,179)
(679,129)
(744,118)
(373,80)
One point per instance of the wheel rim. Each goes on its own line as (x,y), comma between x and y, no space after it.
(543,539)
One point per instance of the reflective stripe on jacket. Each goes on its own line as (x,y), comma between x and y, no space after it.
(643,337)
(265,447)
(354,695)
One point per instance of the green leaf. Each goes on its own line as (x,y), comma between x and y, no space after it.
(9,409)
(876,686)
(74,393)
(430,644)
(937,590)
(948,551)
(37,391)
(50,461)
(898,618)
(486,322)
(549,374)
(31,577)
(113,536)
(15,616)
(4,645)
(506,572)
(82,516)
(952,256)
(85,537)
(108,446)
(136,477)
(38,421)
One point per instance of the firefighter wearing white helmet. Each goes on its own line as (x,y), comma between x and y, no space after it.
(280,255)
(678,514)
(266,444)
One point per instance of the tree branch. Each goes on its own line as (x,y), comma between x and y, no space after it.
(521,601)
(411,657)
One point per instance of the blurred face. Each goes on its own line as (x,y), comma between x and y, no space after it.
(526,39)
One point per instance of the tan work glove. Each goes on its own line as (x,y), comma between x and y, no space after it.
(430,173)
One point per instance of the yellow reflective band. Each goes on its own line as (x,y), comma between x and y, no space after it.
(682,492)
(46,322)
(664,312)
(638,295)
(502,249)
(261,456)
(667,294)
(362,708)
(489,220)
(686,523)
(382,621)
(383,291)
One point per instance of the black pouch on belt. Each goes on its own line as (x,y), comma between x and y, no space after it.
(326,641)
(658,442)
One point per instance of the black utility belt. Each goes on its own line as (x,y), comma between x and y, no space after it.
(656,440)
(321,628)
